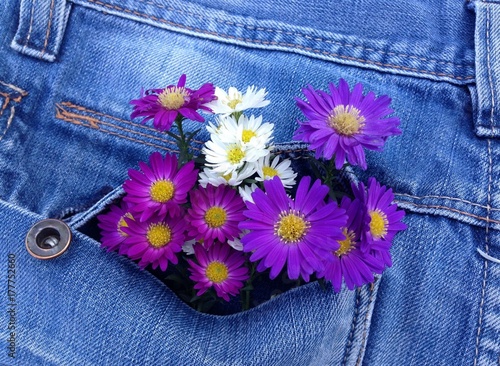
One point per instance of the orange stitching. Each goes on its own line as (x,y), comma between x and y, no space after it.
(81,108)
(289,45)
(445,197)
(5,103)
(9,121)
(76,122)
(95,124)
(319,39)
(353,327)
(47,34)
(451,209)
(15,88)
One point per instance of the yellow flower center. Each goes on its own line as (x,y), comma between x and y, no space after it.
(378,224)
(346,120)
(123,223)
(233,103)
(347,244)
(215,217)
(235,155)
(162,190)
(269,172)
(173,98)
(217,272)
(227,177)
(158,235)
(247,135)
(291,227)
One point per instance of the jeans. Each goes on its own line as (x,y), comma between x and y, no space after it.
(67,72)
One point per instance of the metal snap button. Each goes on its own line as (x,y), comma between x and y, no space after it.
(48,239)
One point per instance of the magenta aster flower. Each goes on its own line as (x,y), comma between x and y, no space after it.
(345,122)
(220,267)
(164,105)
(159,187)
(111,225)
(155,241)
(349,262)
(298,232)
(382,220)
(215,214)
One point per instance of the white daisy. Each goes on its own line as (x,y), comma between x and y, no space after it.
(234,101)
(209,176)
(246,192)
(250,131)
(236,243)
(282,170)
(227,157)
(188,247)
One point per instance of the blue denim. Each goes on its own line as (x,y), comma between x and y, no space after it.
(67,72)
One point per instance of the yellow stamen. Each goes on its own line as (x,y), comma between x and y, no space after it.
(158,235)
(217,272)
(347,244)
(162,190)
(173,98)
(291,227)
(227,177)
(378,224)
(215,217)
(345,120)
(123,223)
(233,103)
(235,155)
(269,172)
(247,135)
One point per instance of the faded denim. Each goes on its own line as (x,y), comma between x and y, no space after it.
(67,72)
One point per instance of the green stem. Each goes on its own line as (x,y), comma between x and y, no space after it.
(184,155)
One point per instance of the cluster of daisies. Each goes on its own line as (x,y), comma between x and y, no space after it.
(239,210)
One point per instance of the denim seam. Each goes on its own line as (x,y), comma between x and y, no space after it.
(488,67)
(274,43)
(298,34)
(486,219)
(80,123)
(447,197)
(486,247)
(30,29)
(90,111)
(47,33)
(365,326)
(96,122)
(353,326)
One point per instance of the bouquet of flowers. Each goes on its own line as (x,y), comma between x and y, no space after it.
(237,221)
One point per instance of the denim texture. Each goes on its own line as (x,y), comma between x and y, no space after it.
(67,72)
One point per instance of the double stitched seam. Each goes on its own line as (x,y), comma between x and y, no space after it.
(486,219)
(96,122)
(281,44)
(31,24)
(47,33)
(297,34)
(486,247)
(353,326)
(488,67)
(365,326)
(448,198)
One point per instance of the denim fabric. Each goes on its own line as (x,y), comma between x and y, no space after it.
(67,73)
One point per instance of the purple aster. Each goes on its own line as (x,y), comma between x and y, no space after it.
(160,186)
(155,241)
(299,232)
(215,214)
(382,220)
(349,262)
(111,225)
(344,122)
(220,267)
(164,105)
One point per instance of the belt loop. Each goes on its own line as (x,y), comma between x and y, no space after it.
(487,47)
(41,28)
